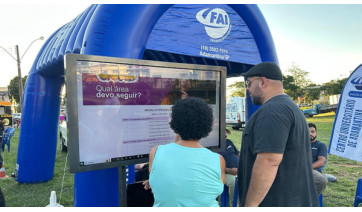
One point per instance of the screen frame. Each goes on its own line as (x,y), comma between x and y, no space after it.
(70,62)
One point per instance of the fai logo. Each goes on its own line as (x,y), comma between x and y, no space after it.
(217,23)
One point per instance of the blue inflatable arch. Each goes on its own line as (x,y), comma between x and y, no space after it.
(235,36)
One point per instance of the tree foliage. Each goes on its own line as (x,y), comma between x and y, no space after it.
(14,88)
(298,86)
(312,93)
(290,87)
(334,86)
(237,89)
(300,76)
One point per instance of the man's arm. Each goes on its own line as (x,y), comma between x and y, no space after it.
(232,171)
(264,171)
(322,156)
(319,163)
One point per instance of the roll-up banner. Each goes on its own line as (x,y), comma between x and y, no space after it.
(346,138)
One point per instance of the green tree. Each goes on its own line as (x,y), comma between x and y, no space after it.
(237,89)
(290,87)
(333,87)
(312,92)
(300,76)
(14,88)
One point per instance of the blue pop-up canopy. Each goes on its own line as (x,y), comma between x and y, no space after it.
(234,36)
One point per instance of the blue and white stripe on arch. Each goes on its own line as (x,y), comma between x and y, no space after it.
(346,138)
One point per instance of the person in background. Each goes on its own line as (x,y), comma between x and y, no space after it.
(186,174)
(18,123)
(2,128)
(275,167)
(231,156)
(319,158)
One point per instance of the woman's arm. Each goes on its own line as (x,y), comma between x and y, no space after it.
(152,156)
(222,167)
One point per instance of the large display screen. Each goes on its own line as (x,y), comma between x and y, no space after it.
(118,109)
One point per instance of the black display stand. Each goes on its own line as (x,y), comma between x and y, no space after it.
(133,194)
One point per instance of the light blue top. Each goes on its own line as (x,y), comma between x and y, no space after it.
(185,177)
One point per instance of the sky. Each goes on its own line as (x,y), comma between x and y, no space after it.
(324,40)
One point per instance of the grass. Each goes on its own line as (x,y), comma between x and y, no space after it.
(338,194)
(342,192)
(36,195)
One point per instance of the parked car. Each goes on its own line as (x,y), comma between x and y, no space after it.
(63,135)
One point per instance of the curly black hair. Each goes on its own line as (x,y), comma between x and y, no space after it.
(192,118)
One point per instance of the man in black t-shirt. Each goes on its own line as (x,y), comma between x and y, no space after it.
(319,158)
(275,167)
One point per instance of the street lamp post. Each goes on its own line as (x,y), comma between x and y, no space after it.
(18,62)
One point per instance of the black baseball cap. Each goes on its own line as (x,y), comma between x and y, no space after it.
(268,70)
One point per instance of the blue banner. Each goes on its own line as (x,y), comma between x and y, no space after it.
(210,31)
(346,139)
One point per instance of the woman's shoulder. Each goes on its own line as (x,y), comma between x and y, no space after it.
(163,147)
(217,156)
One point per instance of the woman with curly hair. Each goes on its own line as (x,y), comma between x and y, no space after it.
(186,174)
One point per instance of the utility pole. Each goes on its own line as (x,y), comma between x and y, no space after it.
(18,62)
(19,75)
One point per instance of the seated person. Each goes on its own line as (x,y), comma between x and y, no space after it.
(231,156)
(319,158)
(186,174)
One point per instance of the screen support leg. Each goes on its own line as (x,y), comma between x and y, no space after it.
(122,186)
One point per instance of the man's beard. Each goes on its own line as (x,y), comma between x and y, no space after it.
(257,97)
(313,138)
(256,100)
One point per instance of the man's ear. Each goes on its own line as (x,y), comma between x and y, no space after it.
(264,82)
